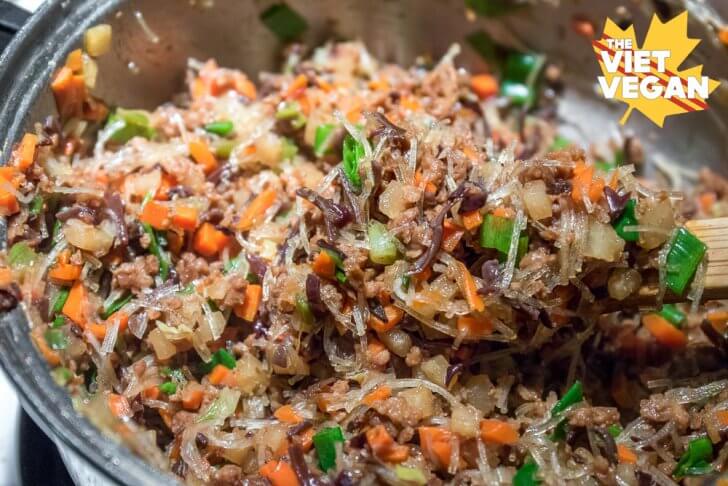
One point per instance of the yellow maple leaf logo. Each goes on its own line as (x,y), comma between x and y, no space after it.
(669,38)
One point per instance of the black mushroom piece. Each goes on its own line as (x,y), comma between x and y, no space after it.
(388,130)
(335,215)
(615,202)
(437,230)
(115,211)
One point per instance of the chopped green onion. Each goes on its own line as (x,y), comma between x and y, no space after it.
(603,165)
(221,356)
(696,459)
(56,230)
(157,251)
(20,254)
(338,263)
(614,430)
(135,124)
(222,128)
(304,310)
(175,374)
(60,300)
(188,289)
(522,67)
(58,321)
(223,148)
(289,149)
(353,152)
(410,474)
(325,443)
(520,94)
(233,264)
(520,76)
(61,375)
(495,232)
(526,475)
(116,305)
(685,255)
(672,314)
(491,8)
(483,45)
(627,218)
(382,245)
(168,388)
(36,205)
(292,111)
(283,21)
(559,143)
(225,358)
(323,138)
(56,339)
(573,395)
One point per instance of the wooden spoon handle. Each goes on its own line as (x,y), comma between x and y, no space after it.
(714,233)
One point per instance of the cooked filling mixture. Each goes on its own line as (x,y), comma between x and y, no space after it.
(353,272)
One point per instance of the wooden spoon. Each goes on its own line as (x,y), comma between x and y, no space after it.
(714,233)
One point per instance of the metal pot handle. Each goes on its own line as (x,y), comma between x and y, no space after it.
(12,19)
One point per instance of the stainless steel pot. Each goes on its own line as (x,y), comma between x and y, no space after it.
(139,72)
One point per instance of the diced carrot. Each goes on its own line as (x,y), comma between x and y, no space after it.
(279,473)
(451,235)
(706,201)
(718,319)
(626,455)
(192,396)
(664,332)
(583,27)
(75,306)
(288,415)
(24,153)
(379,84)
(484,85)
(394,316)
(429,187)
(151,392)
(307,439)
(245,87)
(209,241)
(498,432)
(185,217)
(219,374)
(472,219)
(255,212)
(249,308)
(474,327)
(502,212)
(423,276)
(50,355)
(353,114)
(69,91)
(470,291)
(156,215)
(323,265)
(201,154)
(382,392)
(64,273)
(410,103)
(374,347)
(722,416)
(436,444)
(8,203)
(6,276)
(99,329)
(167,182)
(297,86)
(74,60)
(584,185)
(119,406)
(384,447)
